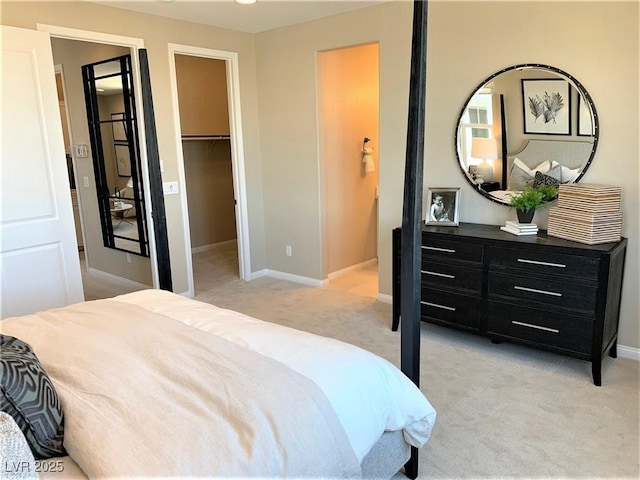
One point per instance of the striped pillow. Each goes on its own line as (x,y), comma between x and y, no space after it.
(27,394)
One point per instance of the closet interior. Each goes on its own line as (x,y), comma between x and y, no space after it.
(204,122)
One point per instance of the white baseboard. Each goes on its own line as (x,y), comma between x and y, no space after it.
(384,298)
(211,246)
(115,278)
(629,352)
(357,266)
(312,282)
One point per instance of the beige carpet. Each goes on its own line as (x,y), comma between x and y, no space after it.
(504,411)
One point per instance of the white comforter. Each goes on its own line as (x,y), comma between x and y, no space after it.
(367,393)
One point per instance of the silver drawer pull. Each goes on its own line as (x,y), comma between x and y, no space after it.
(444,307)
(547,264)
(534,290)
(448,250)
(538,327)
(445,275)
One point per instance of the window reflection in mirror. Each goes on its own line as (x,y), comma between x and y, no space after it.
(112,118)
(501,144)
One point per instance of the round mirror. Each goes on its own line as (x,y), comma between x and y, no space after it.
(528,124)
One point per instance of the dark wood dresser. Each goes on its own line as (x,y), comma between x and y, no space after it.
(537,290)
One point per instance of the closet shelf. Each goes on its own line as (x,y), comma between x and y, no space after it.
(205,137)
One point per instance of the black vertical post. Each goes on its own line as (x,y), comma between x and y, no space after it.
(412,210)
(503,143)
(155,179)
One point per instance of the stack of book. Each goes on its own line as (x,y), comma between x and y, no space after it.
(516,228)
(587,213)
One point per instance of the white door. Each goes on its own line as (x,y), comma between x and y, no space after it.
(39,261)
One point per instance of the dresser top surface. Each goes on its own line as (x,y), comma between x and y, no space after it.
(493,233)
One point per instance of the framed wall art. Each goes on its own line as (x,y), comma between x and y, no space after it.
(118,127)
(123,160)
(443,206)
(546,105)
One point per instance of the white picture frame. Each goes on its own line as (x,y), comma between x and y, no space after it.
(443,206)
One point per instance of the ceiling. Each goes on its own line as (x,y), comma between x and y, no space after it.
(259,17)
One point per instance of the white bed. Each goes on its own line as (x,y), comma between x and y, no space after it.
(563,160)
(155,384)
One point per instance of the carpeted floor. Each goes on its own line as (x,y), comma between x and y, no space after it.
(504,411)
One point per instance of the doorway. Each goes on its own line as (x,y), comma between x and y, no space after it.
(205,86)
(348,106)
(105,272)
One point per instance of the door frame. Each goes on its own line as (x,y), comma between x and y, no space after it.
(59,69)
(237,155)
(134,44)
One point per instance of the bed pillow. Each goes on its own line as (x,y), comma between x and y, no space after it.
(521,175)
(14,446)
(541,179)
(27,394)
(569,174)
(543,167)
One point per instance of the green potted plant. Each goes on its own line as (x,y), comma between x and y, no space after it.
(526,201)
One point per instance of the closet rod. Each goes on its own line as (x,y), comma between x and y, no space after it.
(205,137)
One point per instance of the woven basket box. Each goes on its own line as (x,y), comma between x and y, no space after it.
(589,197)
(585,227)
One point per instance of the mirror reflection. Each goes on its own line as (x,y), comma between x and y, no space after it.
(112,117)
(525,125)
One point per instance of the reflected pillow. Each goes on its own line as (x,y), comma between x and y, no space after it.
(519,178)
(541,179)
(542,167)
(27,394)
(569,175)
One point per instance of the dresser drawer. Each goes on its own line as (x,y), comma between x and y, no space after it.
(558,330)
(446,250)
(547,263)
(450,276)
(543,290)
(450,309)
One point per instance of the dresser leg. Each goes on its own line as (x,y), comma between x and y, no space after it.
(613,351)
(596,372)
(396,323)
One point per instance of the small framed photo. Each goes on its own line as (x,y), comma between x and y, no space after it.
(443,206)
(123,160)
(117,124)
(546,106)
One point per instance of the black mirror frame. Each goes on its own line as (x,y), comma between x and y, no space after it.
(575,83)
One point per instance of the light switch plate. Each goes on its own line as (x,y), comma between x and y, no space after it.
(170,188)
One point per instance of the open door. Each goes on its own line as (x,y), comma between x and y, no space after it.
(39,261)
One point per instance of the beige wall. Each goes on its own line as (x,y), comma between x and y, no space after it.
(157,32)
(597,42)
(348,112)
(207,169)
(287,89)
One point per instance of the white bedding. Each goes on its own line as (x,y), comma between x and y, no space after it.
(367,393)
